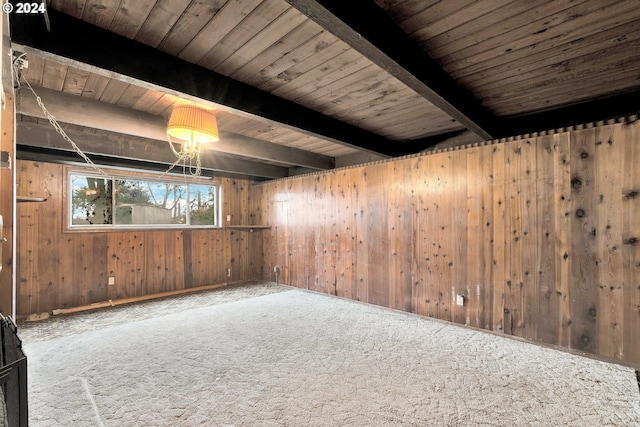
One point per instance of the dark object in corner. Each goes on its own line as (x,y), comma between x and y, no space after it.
(13,374)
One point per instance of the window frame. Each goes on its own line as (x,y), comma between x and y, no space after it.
(115,175)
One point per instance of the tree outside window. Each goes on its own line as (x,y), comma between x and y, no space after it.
(116,201)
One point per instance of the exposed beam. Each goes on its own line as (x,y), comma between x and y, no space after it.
(119,150)
(81,111)
(83,43)
(368,29)
(571,115)
(240,145)
(39,154)
(87,112)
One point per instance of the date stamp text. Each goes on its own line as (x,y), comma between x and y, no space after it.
(24,8)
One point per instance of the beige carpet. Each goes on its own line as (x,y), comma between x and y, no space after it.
(294,358)
(3,410)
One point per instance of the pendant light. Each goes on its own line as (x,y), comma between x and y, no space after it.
(192,126)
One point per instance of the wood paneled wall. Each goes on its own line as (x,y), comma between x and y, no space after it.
(541,235)
(60,269)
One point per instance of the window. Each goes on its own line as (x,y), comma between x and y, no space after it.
(115,201)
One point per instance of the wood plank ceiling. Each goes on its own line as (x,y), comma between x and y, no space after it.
(301,83)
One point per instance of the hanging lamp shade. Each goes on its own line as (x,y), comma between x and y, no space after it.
(192,126)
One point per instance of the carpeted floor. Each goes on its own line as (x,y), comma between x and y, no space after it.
(267,355)
(3,410)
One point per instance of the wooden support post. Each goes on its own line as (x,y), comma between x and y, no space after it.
(7,190)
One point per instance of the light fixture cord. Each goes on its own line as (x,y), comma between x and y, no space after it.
(52,119)
(182,158)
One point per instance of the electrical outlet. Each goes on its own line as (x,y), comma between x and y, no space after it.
(459,299)
(5,160)
(228,218)
(112,280)
(228,272)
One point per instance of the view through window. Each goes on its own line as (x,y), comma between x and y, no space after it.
(119,201)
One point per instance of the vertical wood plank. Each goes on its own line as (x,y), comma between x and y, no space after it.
(175,261)
(319,223)
(401,235)
(631,242)
(530,230)
(546,199)
(584,272)
(331,237)
(345,237)
(475,239)
(376,239)
(419,263)
(281,236)
(499,239)
(355,213)
(608,226)
(228,218)
(514,319)
(362,254)
(434,226)
(187,256)
(65,275)
(562,226)
(154,264)
(441,208)
(256,244)
(485,309)
(459,214)
(428,248)
(297,254)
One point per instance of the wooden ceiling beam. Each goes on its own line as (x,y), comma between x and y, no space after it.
(368,29)
(134,62)
(571,115)
(90,113)
(40,154)
(115,150)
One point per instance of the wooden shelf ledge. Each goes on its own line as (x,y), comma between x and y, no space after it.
(249,228)
(22,199)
